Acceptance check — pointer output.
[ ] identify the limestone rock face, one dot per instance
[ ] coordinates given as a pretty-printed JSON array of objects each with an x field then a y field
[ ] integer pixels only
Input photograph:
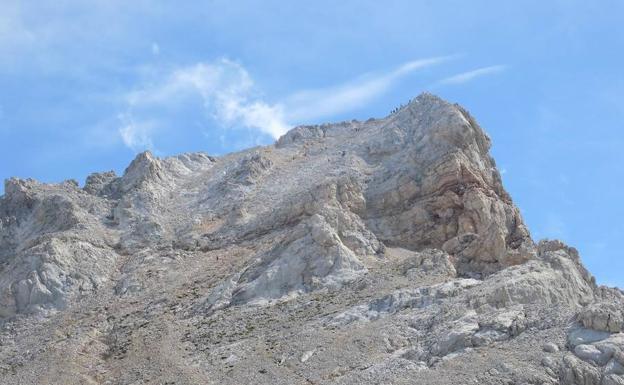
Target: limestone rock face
[
  {"x": 384, "y": 251},
  {"x": 607, "y": 316},
  {"x": 55, "y": 246}
]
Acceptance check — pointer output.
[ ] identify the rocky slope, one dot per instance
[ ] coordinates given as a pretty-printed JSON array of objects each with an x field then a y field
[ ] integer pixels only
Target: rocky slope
[{"x": 381, "y": 252}]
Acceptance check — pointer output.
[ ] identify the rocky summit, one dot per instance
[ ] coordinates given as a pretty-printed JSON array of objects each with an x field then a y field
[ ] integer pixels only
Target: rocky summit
[{"x": 376, "y": 252}]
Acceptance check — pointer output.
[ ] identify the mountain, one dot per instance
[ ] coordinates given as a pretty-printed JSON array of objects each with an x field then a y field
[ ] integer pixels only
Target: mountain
[{"x": 376, "y": 252}]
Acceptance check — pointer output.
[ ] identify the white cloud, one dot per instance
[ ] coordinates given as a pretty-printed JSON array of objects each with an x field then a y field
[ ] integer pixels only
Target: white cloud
[
  {"x": 136, "y": 135},
  {"x": 229, "y": 95},
  {"x": 465, "y": 77},
  {"x": 313, "y": 104},
  {"x": 225, "y": 89}
]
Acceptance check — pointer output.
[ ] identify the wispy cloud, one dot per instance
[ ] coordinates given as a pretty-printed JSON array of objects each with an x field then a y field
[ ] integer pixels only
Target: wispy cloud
[
  {"x": 227, "y": 93},
  {"x": 319, "y": 103},
  {"x": 136, "y": 135},
  {"x": 229, "y": 96},
  {"x": 465, "y": 77}
]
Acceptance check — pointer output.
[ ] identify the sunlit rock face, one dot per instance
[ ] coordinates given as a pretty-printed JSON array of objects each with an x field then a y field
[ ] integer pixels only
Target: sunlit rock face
[{"x": 384, "y": 251}]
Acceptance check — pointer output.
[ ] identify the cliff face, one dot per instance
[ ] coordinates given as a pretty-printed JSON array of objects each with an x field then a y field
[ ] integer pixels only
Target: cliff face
[{"x": 359, "y": 252}]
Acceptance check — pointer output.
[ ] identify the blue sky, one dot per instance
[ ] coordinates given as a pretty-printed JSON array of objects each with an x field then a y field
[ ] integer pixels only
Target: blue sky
[{"x": 84, "y": 86}]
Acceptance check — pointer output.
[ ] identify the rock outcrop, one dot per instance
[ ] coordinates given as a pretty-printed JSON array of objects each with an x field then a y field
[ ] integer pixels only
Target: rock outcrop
[{"x": 384, "y": 251}]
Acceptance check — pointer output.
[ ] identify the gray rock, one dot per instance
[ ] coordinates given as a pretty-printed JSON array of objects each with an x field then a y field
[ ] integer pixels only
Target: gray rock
[
  {"x": 459, "y": 336},
  {"x": 605, "y": 316},
  {"x": 613, "y": 379},
  {"x": 550, "y": 347},
  {"x": 591, "y": 353},
  {"x": 581, "y": 336},
  {"x": 614, "y": 367}
]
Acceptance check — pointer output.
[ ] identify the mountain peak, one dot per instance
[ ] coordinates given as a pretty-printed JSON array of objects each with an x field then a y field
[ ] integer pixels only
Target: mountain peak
[{"x": 380, "y": 249}]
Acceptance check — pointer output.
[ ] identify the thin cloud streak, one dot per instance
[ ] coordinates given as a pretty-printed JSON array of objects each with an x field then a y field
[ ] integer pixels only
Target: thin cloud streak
[
  {"x": 319, "y": 103},
  {"x": 465, "y": 77}
]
